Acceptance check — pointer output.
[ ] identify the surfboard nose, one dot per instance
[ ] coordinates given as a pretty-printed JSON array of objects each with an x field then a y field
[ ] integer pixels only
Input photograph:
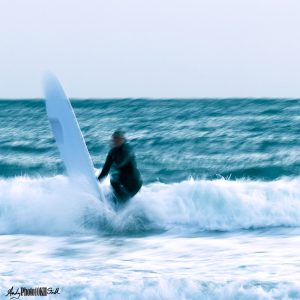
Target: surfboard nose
[{"x": 68, "y": 136}]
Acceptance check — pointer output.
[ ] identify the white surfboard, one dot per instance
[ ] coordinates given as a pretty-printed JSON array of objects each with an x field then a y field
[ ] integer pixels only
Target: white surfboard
[{"x": 68, "y": 136}]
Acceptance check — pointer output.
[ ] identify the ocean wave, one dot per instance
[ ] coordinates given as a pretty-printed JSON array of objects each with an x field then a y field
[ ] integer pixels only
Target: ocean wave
[
  {"x": 59, "y": 206},
  {"x": 191, "y": 289},
  {"x": 171, "y": 288}
]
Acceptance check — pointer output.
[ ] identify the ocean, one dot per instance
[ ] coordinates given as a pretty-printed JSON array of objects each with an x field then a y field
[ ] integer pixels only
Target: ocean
[{"x": 218, "y": 216}]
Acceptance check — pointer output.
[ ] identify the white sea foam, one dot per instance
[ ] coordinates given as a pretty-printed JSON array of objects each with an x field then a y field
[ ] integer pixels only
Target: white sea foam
[
  {"x": 58, "y": 206},
  {"x": 43, "y": 205},
  {"x": 169, "y": 288},
  {"x": 186, "y": 289}
]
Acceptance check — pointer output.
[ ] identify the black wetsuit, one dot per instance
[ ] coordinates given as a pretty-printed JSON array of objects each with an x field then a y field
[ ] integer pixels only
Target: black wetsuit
[{"x": 125, "y": 179}]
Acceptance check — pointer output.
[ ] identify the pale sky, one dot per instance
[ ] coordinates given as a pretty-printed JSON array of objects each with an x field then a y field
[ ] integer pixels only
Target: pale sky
[{"x": 153, "y": 48}]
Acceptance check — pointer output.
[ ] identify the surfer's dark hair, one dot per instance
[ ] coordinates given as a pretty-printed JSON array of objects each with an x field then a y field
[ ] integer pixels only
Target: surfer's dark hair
[{"x": 119, "y": 133}]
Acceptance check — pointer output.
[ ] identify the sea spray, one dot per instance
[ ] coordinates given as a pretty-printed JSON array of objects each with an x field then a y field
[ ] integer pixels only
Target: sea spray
[{"x": 56, "y": 205}]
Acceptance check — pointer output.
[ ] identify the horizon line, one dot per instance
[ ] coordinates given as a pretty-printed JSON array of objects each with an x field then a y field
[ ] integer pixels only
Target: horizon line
[{"x": 153, "y": 99}]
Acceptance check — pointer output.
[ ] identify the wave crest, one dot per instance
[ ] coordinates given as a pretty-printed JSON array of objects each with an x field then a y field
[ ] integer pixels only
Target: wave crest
[{"x": 58, "y": 206}]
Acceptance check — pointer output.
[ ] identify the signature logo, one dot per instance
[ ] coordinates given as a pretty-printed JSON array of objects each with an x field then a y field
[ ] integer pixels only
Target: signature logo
[{"x": 38, "y": 291}]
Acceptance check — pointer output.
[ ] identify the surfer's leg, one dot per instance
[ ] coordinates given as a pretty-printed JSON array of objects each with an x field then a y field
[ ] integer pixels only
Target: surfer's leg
[
  {"x": 136, "y": 188},
  {"x": 121, "y": 195}
]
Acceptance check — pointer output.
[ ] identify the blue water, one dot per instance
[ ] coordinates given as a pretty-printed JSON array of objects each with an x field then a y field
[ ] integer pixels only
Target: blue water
[{"x": 217, "y": 218}]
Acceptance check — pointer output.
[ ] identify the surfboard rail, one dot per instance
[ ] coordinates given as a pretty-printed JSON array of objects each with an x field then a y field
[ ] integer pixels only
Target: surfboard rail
[{"x": 68, "y": 136}]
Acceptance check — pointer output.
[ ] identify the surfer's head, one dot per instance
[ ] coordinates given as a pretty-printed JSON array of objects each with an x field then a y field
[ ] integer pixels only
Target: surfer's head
[{"x": 118, "y": 138}]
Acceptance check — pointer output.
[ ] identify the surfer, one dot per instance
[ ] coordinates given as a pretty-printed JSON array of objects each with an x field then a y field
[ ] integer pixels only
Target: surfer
[{"x": 125, "y": 179}]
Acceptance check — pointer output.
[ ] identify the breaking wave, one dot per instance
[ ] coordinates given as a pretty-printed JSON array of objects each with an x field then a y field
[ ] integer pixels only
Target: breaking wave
[{"x": 59, "y": 206}]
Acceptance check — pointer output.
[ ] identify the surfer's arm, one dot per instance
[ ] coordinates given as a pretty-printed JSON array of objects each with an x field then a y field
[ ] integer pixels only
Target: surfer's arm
[{"x": 106, "y": 167}]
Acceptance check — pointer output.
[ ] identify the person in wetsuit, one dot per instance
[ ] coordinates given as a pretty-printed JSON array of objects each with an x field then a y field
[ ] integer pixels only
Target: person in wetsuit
[{"x": 125, "y": 179}]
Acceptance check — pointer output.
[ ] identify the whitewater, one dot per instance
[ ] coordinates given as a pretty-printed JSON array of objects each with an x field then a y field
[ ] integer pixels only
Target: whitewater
[{"x": 217, "y": 218}]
